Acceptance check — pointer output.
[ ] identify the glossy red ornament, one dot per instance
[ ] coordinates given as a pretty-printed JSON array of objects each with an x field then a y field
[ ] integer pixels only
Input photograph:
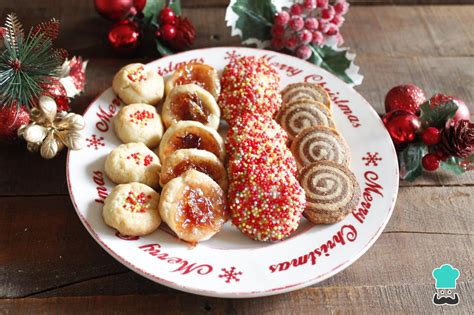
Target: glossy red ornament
[
  {"x": 114, "y": 10},
  {"x": 55, "y": 89},
  {"x": 124, "y": 37},
  {"x": 139, "y": 5},
  {"x": 185, "y": 34},
  {"x": 402, "y": 126},
  {"x": 11, "y": 120},
  {"x": 461, "y": 114},
  {"x": 168, "y": 32},
  {"x": 407, "y": 97},
  {"x": 167, "y": 16},
  {"x": 431, "y": 136},
  {"x": 430, "y": 162}
]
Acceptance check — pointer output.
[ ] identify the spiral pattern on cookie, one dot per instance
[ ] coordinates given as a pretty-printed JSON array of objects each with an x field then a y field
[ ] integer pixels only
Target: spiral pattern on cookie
[
  {"x": 301, "y": 114},
  {"x": 320, "y": 143},
  {"x": 331, "y": 191},
  {"x": 301, "y": 91}
]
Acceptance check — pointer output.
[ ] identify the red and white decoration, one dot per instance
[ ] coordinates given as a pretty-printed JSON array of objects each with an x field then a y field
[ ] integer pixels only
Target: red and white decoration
[{"x": 230, "y": 264}]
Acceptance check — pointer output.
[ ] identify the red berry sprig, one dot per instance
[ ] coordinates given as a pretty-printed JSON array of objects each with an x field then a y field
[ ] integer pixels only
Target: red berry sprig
[{"x": 310, "y": 22}]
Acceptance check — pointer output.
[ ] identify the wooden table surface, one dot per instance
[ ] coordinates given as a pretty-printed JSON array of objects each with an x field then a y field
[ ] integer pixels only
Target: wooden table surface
[{"x": 49, "y": 263}]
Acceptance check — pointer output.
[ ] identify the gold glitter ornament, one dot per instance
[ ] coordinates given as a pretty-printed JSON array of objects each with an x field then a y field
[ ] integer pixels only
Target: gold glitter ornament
[{"x": 49, "y": 131}]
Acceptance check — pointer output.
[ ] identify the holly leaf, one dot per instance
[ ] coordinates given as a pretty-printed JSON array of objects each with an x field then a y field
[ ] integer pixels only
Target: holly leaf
[
  {"x": 151, "y": 11},
  {"x": 162, "y": 49},
  {"x": 453, "y": 164},
  {"x": 176, "y": 7},
  {"x": 255, "y": 18},
  {"x": 436, "y": 116},
  {"x": 334, "y": 61},
  {"x": 409, "y": 161}
]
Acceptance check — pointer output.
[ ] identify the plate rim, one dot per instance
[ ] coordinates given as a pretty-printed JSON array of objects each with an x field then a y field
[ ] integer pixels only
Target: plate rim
[{"x": 245, "y": 294}]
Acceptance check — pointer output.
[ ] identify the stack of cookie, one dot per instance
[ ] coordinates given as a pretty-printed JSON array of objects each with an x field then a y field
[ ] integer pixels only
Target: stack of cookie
[
  {"x": 193, "y": 177},
  {"x": 265, "y": 198},
  {"x": 322, "y": 154}
]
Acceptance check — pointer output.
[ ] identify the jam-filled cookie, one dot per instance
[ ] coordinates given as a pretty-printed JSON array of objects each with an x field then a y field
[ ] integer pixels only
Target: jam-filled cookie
[
  {"x": 139, "y": 123},
  {"x": 201, "y": 74},
  {"x": 191, "y": 135},
  {"x": 133, "y": 162},
  {"x": 320, "y": 143},
  {"x": 137, "y": 83},
  {"x": 300, "y": 114},
  {"x": 132, "y": 209},
  {"x": 302, "y": 91},
  {"x": 191, "y": 102},
  {"x": 185, "y": 159},
  {"x": 332, "y": 191},
  {"x": 194, "y": 206}
]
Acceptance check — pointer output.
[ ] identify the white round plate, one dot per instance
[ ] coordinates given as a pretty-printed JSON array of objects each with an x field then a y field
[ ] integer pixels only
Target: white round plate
[{"x": 230, "y": 264}]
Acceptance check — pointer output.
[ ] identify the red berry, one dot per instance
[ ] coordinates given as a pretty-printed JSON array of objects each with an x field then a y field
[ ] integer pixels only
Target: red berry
[
  {"x": 296, "y": 23},
  {"x": 291, "y": 42},
  {"x": 311, "y": 24},
  {"x": 303, "y": 52},
  {"x": 309, "y": 4},
  {"x": 167, "y": 16},
  {"x": 305, "y": 37},
  {"x": 278, "y": 43},
  {"x": 341, "y": 7},
  {"x": 168, "y": 32},
  {"x": 402, "y": 126},
  {"x": 407, "y": 97},
  {"x": 332, "y": 30},
  {"x": 322, "y": 3},
  {"x": 323, "y": 26},
  {"x": 296, "y": 9},
  {"x": 328, "y": 13},
  {"x": 431, "y": 136},
  {"x": 281, "y": 18},
  {"x": 278, "y": 31},
  {"x": 337, "y": 20},
  {"x": 317, "y": 38},
  {"x": 430, "y": 162}
]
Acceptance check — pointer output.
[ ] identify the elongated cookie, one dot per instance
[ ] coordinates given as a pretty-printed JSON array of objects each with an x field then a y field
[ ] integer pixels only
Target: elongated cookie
[
  {"x": 300, "y": 114},
  {"x": 191, "y": 102},
  {"x": 191, "y": 135},
  {"x": 332, "y": 191},
  {"x": 302, "y": 90},
  {"x": 185, "y": 159},
  {"x": 320, "y": 143}
]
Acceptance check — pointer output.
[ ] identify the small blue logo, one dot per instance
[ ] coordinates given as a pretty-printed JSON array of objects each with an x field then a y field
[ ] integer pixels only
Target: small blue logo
[{"x": 445, "y": 284}]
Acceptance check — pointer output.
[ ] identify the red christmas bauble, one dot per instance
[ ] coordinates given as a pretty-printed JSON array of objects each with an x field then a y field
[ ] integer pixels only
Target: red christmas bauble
[
  {"x": 167, "y": 16},
  {"x": 168, "y": 32},
  {"x": 11, "y": 120},
  {"x": 55, "y": 89},
  {"x": 430, "y": 161},
  {"x": 402, "y": 126},
  {"x": 407, "y": 97},
  {"x": 431, "y": 136},
  {"x": 461, "y": 114},
  {"x": 124, "y": 37},
  {"x": 114, "y": 10}
]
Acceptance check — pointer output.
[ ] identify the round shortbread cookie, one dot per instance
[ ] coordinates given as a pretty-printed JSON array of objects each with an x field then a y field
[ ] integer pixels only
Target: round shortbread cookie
[
  {"x": 139, "y": 123},
  {"x": 136, "y": 83},
  {"x": 133, "y": 162},
  {"x": 132, "y": 209}
]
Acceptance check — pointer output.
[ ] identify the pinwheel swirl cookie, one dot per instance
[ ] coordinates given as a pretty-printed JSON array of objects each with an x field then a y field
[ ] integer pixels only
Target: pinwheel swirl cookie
[
  {"x": 297, "y": 115},
  {"x": 320, "y": 143},
  {"x": 332, "y": 191},
  {"x": 303, "y": 91}
]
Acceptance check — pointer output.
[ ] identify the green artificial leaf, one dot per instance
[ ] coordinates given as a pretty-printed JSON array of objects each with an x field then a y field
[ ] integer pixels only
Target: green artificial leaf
[
  {"x": 409, "y": 161},
  {"x": 331, "y": 60},
  {"x": 255, "y": 18},
  {"x": 151, "y": 11},
  {"x": 162, "y": 49},
  {"x": 453, "y": 164},
  {"x": 175, "y": 6},
  {"x": 436, "y": 116}
]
